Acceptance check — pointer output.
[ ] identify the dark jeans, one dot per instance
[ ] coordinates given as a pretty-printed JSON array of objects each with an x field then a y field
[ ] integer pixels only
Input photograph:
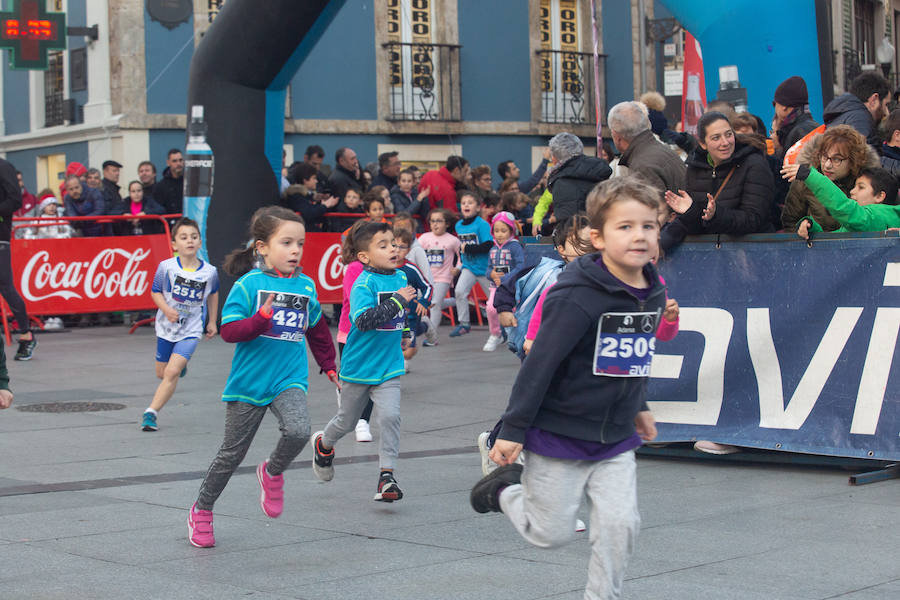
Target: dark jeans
[{"x": 9, "y": 292}]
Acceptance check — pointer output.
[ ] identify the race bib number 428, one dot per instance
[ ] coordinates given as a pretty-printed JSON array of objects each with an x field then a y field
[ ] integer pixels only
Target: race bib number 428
[
  {"x": 625, "y": 344},
  {"x": 290, "y": 315}
]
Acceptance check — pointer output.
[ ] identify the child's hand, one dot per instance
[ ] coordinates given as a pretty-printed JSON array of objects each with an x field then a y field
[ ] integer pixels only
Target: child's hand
[
  {"x": 645, "y": 425},
  {"x": 505, "y": 452},
  {"x": 423, "y": 194},
  {"x": 526, "y": 346},
  {"x": 790, "y": 171},
  {"x": 405, "y": 343},
  {"x": 211, "y": 330},
  {"x": 671, "y": 312},
  {"x": 6, "y": 398},
  {"x": 496, "y": 277},
  {"x": 333, "y": 378},
  {"x": 171, "y": 314},
  {"x": 421, "y": 310},
  {"x": 507, "y": 319},
  {"x": 803, "y": 229},
  {"x": 266, "y": 309},
  {"x": 408, "y": 292},
  {"x": 454, "y": 271},
  {"x": 679, "y": 202}
]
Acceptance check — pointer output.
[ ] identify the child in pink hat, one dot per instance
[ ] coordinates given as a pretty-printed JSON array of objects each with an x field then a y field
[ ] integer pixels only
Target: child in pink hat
[{"x": 506, "y": 256}]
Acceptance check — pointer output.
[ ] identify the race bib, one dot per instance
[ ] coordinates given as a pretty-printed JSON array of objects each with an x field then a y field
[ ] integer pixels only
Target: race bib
[
  {"x": 290, "y": 315},
  {"x": 398, "y": 321},
  {"x": 435, "y": 256},
  {"x": 502, "y": 268},
  {"x": 187, "y": 291},
  {"x": 467, "y": 239},
  {"x": 625, "y": 344}
]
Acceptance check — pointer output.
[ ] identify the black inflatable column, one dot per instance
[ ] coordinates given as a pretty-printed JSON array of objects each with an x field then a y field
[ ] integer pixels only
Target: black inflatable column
[{"x": 239, "y": 73}]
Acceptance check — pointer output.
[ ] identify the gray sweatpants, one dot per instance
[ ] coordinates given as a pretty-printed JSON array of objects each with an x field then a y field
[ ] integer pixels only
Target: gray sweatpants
[
  {"x": 544, "y": 506},
  {"x": 241, "y": 422},
  {"x": 386, "y": 398},
  {"x": 465, "y": 283}
]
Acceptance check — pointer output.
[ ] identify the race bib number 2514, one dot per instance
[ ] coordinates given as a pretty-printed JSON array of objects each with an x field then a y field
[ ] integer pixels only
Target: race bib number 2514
[{"x": 625, "y": 344}]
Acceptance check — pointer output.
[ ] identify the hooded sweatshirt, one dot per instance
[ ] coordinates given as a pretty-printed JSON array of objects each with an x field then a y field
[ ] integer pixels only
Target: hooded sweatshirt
[{"x": 575, "y": 384}]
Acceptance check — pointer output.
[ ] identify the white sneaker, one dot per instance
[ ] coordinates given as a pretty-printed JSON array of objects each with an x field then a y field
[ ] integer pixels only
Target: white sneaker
[
  {"x": 363, "y": 433},
  {"x": 579, "y": 526},
  {"x": 492, "y": 343},
  {"x": 714, "y": 448},
  {"x": 487, "y": 465},
  {"x": 431, "y": 332}
]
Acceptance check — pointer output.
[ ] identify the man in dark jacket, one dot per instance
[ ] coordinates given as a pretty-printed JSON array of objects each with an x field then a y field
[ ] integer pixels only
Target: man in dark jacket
[
  {"x": 169, "y": 191},
  {"x": 147, "y": 177},
  {"x": 112, "y": 197},
  {"x": 641, "y": 152},
  {"x": 890, "y": 149},
  {"x": 388, "y": 170},
  {"x": 347, "y": 174},
  {"x": 10, "y": 202},
  {"x": 83, "y": 201},
  {"x": 575, "y": 175},
  {"x": 792, "y": 117},
  {"x": 863, "y": 107}
]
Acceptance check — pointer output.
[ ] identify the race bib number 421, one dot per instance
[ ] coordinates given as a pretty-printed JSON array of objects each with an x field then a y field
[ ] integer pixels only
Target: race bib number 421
[
  {"x": 290, "y": 315},
  {"x": 625, "y": 344}
]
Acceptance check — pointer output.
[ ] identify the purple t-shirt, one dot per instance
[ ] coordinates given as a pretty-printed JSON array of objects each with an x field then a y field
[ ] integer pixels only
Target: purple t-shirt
[{"x": 554, "y": 445}]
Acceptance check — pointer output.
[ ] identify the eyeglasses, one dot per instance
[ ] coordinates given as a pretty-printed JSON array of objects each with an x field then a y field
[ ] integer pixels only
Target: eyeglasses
[
  {"x": 835, "y": 161},
  {"x": 436, "y": 221}
]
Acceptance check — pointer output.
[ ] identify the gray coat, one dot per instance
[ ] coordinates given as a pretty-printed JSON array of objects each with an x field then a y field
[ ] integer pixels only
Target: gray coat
[{"x": 655, "y": 162}]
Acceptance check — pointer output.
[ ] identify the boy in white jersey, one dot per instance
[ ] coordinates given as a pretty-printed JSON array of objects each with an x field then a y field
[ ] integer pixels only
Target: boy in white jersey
[{"x": 185, "y": 289}]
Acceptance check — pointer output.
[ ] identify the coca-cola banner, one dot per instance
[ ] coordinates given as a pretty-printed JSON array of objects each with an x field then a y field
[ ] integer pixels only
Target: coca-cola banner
[
  {"x": 322, "y": 262},
  {"x": 84, "y": 275}
]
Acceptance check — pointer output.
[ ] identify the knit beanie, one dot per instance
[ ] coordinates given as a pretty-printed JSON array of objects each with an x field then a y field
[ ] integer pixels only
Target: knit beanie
[
  {"x": 792, "y": 92},
  {"x": 507, "y": 218}
]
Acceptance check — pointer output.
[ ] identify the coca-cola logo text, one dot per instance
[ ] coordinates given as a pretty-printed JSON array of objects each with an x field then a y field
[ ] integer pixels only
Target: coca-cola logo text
[
  {"x": 99, "y": 277},
  {"x": 331, "y": 271}
]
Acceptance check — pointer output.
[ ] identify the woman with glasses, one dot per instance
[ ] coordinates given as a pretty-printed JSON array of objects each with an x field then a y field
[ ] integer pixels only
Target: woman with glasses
[
  {"x": 840, "y": 154},
  {"x": 481, "y": 181},
  {"x": 729, "y": 187}
]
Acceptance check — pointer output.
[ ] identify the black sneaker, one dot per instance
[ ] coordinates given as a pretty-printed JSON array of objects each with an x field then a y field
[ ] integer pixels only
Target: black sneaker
[
  {"x": 484, "y": 495},
  {"x": 26, "y": 349},
  {"x": 388, "y": 490},
  {"x": 322, "y": 462}
]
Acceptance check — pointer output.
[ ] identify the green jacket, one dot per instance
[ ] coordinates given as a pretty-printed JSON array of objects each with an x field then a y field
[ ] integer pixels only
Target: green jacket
[
  {"x": 541, "y": 209},
  {"x": 851, "y": 216}
]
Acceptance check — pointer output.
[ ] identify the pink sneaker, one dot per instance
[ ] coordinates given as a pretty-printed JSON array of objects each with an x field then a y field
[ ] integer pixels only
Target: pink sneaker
[
  {"x": 201, "y": 528},
  {"x": 271, "y": 498}
]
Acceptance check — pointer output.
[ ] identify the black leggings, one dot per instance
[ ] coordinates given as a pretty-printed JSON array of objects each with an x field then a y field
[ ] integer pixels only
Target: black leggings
[
  {"x": 9, "y": 292},
  {"x": 367, "y": 411}
]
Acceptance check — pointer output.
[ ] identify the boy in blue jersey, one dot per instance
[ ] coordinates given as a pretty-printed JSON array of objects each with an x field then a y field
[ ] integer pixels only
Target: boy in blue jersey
[
  {"x": 373, "y": 356},
  {"x": 474, "y": 235}
]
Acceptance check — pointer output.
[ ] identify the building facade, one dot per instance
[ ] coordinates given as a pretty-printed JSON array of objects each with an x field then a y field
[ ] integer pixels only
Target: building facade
[{"x": 489, "y": 80}]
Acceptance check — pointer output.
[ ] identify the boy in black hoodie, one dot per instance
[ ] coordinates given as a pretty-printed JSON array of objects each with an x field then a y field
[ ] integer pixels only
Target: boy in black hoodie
[{"x": 578, "y": 406}]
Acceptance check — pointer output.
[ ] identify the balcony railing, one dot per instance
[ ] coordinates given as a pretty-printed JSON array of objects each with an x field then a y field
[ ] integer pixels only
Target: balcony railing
[
  {"x": 423, "y": 81},
  {"x": 567, "y": 87}
]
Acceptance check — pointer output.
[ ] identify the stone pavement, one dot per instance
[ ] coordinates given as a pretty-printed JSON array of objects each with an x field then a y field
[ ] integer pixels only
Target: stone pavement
[{"x": 92, "y": 507}]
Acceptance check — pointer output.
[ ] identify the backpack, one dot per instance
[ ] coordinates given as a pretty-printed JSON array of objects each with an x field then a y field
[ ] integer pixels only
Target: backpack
[
  {"x": 790, "y": 157},
  {"x": 528, "y": 290}
]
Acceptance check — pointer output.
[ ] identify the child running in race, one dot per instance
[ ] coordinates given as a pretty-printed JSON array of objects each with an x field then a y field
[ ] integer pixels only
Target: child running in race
[
  {"x": 577, "y": 408},
  {"x": 474, "y": 235},
  {"x": 372, "y": 361},
  {"x": 186, "y": 290},
  {"x": 507, "y": 256},
  {"x": 270, "y": 314},
  {"x": 442, "y": 249},
  {"x": 418, "y": 307}
]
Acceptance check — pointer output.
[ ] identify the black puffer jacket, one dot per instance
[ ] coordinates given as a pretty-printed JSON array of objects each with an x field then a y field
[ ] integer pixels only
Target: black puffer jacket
[
  {"x": 571, "y": 181},
  {"x": 847, "y": 109},
  {"x": 742, "y": 207}
]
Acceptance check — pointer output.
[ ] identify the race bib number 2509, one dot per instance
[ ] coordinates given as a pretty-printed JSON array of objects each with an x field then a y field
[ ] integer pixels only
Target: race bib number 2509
[{"x": 625, "y": 344}]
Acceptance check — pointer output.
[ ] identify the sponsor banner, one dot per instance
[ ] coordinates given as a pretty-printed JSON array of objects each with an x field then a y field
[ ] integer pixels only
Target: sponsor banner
[
  {"x": 321, "y": 261},
  {"x": 84, "y": 275},
  {"x": 782, "y": 346}
]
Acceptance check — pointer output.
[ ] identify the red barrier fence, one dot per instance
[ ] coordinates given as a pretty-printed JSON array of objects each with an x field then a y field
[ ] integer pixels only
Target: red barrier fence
[{"x": 87, "y": 274}]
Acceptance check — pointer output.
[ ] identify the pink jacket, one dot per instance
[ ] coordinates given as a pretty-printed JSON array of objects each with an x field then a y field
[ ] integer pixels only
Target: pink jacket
[{"x": 350, "y": 274}]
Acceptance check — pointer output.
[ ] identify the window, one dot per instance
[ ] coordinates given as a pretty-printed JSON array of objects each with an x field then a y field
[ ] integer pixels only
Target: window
[
  {"x": 54, "y": 90},
  {"x": 864, "y": 27},
  {"x": 566, "y": 76},
  {"x": 424, "y": 75}
]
